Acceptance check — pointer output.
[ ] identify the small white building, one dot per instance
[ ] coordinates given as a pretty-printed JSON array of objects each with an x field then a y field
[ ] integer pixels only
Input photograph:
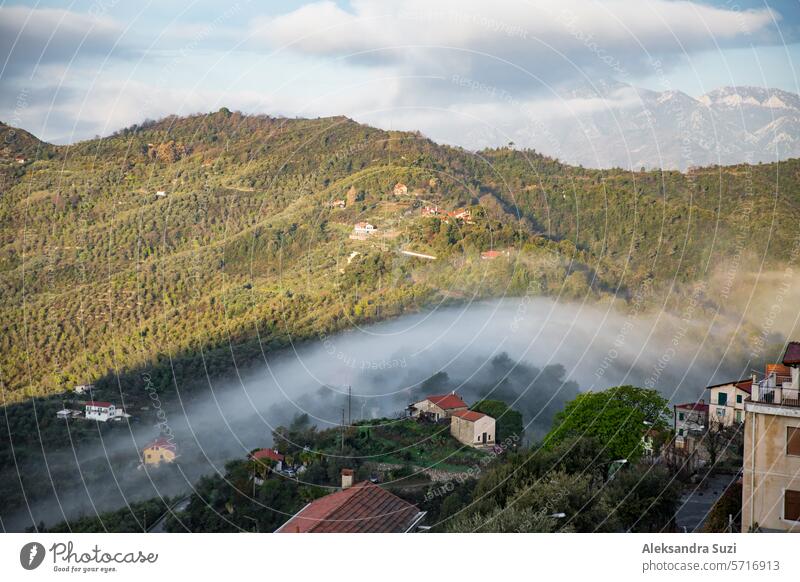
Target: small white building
[
  {"x": 66, "y": 413},
  {"x": 83, "y": 388},
  {"x": 362, "y": 230},
  {"x": 161, "y": 194},
  {"x": 103, "y": 411}
]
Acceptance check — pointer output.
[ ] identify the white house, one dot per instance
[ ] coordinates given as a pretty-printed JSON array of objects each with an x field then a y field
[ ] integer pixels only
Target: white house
[
  {"x": 362, "y": 230},
  {"x": 437, "y": 407},
  {"x": 103, "y": 411},
  {"x": 83, "y": 388},
  {"x": 161, "y": 194}
]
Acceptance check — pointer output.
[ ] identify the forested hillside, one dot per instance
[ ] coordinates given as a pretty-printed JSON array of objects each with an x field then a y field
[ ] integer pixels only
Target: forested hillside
[{"x": 188, "y": 244}]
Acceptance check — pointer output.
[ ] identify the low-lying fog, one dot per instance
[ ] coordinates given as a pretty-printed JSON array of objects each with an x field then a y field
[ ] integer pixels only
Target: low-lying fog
[{"x": 535, "y": 354}]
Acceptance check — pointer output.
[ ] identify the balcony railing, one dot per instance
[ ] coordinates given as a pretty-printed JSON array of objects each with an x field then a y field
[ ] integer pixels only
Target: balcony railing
[{"x": 775, "y": 395}]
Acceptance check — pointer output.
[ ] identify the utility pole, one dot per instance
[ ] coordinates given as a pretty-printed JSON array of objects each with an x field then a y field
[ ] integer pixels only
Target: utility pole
[
  {"x": 349, "y": 405},
  {"x": 342, "y": 429}
]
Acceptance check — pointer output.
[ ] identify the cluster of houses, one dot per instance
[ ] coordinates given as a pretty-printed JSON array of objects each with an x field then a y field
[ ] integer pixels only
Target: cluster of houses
[
  {"x": 472, "y": 428},
  {"x": 463, "y": 214},
  {"x": 768, "y": 413}
]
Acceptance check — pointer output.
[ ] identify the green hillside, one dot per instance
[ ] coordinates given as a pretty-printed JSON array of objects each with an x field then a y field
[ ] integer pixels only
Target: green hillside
[{"x": 244, "y": 251}]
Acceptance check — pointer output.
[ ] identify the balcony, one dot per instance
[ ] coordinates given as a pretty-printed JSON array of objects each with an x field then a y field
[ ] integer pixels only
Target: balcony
[{"x": 783, "y": 396}]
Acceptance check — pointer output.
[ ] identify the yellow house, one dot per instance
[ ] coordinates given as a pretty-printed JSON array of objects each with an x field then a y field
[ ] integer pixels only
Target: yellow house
[
  {"x": 161, "y": 450},
  {"x": 771, "y": 466},
  {"x": 727, "y": 402}
]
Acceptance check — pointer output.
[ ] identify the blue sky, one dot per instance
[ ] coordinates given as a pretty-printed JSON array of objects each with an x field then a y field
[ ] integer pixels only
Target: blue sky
[{"x": 72, "y": 70}]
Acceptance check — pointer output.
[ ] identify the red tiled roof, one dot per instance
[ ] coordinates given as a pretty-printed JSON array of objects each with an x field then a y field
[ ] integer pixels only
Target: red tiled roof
[
  {"x": 447, "y": 401},
  {"x": 696, "y": 406},
  {"x": 469, "y": 415},
  {"x": 779, "y": 369},
  {"x": 96, "y": 403},
  {"x": 362, "y": 508},
  {"x": 267, "y": 454},
  {"x": 792, "y": 355},
  {"x": 162, "y": 443},
  {"x": 490, "y": 254}
]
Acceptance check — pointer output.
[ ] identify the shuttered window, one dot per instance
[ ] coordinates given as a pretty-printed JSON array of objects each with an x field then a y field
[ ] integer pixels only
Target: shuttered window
[
  {"x": 791, "y": 505},
  {"x": 793, "y": 440}
]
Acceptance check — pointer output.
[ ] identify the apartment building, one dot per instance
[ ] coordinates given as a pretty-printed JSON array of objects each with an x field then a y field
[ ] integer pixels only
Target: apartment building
[{"x": 771, "y": 471}]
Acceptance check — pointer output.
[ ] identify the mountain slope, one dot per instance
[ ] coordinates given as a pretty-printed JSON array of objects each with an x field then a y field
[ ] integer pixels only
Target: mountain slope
[{"x": 188, "y": 245}]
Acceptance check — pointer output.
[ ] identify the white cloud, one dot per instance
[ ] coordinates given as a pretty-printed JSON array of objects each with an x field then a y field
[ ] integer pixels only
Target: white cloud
[
  {"x": 543, "y": 37},
  {"x": 31, "y": 37}
]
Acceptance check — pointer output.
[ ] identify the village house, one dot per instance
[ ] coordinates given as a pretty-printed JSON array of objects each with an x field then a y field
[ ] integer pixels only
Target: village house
[
  {"x": 493, "y": 254},
  {"x": 431, "y": 211},
  {"x": 771, "y": 466},
  {"x": 464, "y": 214},
  {"x": 689, "y": 421},
  {"x": 473, "y": 428},
  {"x": 363, "y": 230},
  {"x": 270, "y": 457},
  {"x": 400, "y": 189},
  {"x": 161, "y": 450},
  {"x": 436, "y": 408},
  {"x": 67, "y": 413},
  {"x": 161, "y": 194},
  {"x": 337, "y": 204},
  {"x": 21, "y": 160},
  {"x": 727, "y": 402},
  {"x": 103, "y": 411},
  {"x": 83, "y": 388},
  {"x": 362, "y": 507}
]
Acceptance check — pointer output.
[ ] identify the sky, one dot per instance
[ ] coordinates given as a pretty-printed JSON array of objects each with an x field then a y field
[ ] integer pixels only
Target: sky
[{"x": 74, "y": 70}]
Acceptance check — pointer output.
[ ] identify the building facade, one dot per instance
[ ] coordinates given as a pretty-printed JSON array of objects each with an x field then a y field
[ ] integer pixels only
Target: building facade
[
  {"x": 473, "y": 428},
  {"x": 726, "y": 404},
  {"x": 771, "y": 471},
  {"x": 439, "y": 407}
]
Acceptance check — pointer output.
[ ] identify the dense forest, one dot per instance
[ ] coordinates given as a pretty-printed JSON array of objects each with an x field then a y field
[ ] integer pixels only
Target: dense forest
[{"x": 192, "y": 244}]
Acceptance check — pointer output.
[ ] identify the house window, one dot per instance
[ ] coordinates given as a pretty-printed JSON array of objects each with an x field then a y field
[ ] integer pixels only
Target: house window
[
  {"x": 793, "y": 441},
  {"x": 738, "y": 399},
  {"x": 738, "y": 416},
  {"x": 720, "y": 412},
  {"x": 722, "y": 399},
  {"x": 791, "y": 505},
  {"x": 681, "y": 416},
  {"x": 680, "y": 432}
]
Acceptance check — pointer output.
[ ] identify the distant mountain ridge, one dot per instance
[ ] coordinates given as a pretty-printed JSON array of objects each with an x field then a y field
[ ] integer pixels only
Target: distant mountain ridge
[{"x": 633, "y": 128}]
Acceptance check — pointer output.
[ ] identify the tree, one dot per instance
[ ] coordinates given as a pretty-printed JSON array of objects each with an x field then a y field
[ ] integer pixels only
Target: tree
[
  {"x": 509, "y": 421},
  {"x": 718, "y": 440},
  {"x": 617, "y": 418}
]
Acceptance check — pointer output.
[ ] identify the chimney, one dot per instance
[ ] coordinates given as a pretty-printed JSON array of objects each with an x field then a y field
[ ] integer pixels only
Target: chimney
[{"x": 347, "y": 478}]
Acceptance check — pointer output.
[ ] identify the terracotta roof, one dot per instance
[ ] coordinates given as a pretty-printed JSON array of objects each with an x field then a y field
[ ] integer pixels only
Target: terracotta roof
[
  {"x": 490, "y": 254},
  {"x": 447, "y": 401},
  {"x": 745, "y": 385},
  {"x": 162, "y": 443},
  {"x": 792, "y": 355},
  {"x": 779, "y": 369},
  {"x": 96, "y": 403},
  {"x": 362, "y": 508},
  {"x": 267, "y": 454},
  {"x": 696, "y": 406},
  {"x": 469, "y": 415}
]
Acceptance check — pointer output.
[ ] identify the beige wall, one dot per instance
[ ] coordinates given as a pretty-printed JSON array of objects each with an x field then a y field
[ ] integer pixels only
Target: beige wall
[
  {"x": 471, "y": 433},
  {"x": 768, "y": 470},
  {"x": 727, "y": 413}
]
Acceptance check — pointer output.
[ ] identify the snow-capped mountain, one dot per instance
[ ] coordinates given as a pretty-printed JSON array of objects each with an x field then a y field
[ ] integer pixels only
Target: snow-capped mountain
[{"x": 630, "y": 128}]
